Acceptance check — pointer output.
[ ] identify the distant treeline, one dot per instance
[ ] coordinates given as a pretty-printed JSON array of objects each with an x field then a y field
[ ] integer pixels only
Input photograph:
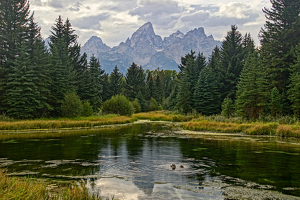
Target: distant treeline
[{"x": 238, "y": 78}]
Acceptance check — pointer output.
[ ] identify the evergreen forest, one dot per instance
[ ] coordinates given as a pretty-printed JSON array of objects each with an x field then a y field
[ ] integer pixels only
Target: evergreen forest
[{"x": 240, "y": 78}]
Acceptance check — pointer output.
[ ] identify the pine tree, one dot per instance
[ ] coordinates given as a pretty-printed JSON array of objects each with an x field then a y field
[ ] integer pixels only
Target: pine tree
[
  {"x": 69, "y": 50},
  {"x": 135, "y": 81},
  {"x": 206, "y": 95},
  {"x": 231, "y": 63},
  {"x": 278, "y": 37},
  {"x": 142, "y": 101},
  {"x": 150, "y": 87},
  {"x": 200, "y": 63},
  {"x": 70, "y": 39},
  {"x": 14, "y": 19},
  {"x": 184, "y": 60},
  {"x": 60, "y": 78},
  {"x": 24, "y": 99},
  {"x": 173, "y": 101},
  {"x": 159, "y": 92},
  {"x": 294, "y": 87},
  {"x": 185, "y": 96},
  {"x": 57, "y": 33},
  {"x": 276, "y": 104},
  {"x": 91, "y": 85},
  {"x": 169, "y": 78},
  {"x": 252, "y": 94},
  {"x": 116, "y": 81},
  {"x": 106, "y": 92},
  {"x": 39, "y": 58}
]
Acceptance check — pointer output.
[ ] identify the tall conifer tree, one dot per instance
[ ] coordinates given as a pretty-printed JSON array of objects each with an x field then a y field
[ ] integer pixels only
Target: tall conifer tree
[
  {"x": 231, "y": 63},
  {"x": 294, "y": 87},
  {"x": 252, "y": 94},
  {"x": 116, "y": 81},
  {"x": 280, "y": 35},
  {"x": 206, "y": 95},
  {"x": 24, "y": 99},
  {"x": 14, "y": 19},
  {"x": 91, "y": 84},
  {"x": 135, "y": 81}
]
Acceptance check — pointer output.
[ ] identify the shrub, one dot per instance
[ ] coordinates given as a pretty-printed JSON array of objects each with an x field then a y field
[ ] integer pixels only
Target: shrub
[
  {"x": 87, "y": 109},
  {"x": 71, "y": 106},
  {"x": 136, "y": 106},
  {"x": 153, "y": 106},
  {"x": 118, "y": 104}
]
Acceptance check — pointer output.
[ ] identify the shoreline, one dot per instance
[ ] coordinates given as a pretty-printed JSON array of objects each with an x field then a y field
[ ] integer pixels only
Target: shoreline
[{"x": 191, "y": 123}]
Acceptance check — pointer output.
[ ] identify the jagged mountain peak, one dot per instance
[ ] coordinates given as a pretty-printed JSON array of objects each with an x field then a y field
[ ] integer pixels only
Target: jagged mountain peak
[
  {"x": 95, "y": 38},
  {"x": 197, "y": 32},
  {"x": 94, "y": 45},
  {"x": 145, "y": 29},
  {"x": 146, "y": 48},
  {"x": 175, "y": 37},
  {"x": 146, "y": 26},
  {"x": 145, "y": 33}
]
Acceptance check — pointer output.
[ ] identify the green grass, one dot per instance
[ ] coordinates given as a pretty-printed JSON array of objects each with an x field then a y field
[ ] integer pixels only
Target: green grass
[
  {"x": 163, "y": 116},
  {"x": 283, "y": 130},
  {"x": 283, "y": 126},
  {"x": 18, "y": 188},
  {"x": 65, "y": 122}
]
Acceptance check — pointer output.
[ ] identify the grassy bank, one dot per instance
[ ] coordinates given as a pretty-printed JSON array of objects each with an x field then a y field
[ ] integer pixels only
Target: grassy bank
[
  {"x": 65, "y": 122},
  {"x": 283, "y": 130},
  {"x": 283, "y": 126},
  {"x": 18, "y": 188},
  {"x": 163, "y": 116}
]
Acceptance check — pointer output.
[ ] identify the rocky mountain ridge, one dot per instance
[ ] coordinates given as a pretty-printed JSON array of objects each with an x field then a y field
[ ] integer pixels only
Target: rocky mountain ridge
[{"x": 150, "y": 50}]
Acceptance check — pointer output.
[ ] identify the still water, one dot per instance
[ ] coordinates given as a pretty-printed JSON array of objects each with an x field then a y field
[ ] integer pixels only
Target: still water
[{"x": 133, "y": 162}]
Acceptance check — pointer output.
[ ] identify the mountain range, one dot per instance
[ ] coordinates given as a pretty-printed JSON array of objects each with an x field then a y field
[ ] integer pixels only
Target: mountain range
[{"x": 149, "y": 50}]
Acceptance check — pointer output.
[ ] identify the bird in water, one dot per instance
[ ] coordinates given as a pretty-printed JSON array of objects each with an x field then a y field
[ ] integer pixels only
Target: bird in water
[
  {"x": 173, "y": 166},
  {"x": 181, "y": 166}
]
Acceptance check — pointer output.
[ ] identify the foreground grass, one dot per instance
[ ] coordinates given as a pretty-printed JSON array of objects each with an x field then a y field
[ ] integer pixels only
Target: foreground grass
[
  {"x": 17, "y": 188},
  {"x": 66, "y": 122}
]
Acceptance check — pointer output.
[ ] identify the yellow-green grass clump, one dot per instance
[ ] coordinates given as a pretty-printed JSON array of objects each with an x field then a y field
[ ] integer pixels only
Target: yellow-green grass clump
[
  {"x": 163, "y": 116},
  {"x": 282, "y": 130},
  {"x": 65, "y": 122}
]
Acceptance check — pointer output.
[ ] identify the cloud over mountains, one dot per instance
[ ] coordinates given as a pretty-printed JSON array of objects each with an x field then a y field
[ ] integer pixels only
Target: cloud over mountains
[{"x": 114, "y": 20}]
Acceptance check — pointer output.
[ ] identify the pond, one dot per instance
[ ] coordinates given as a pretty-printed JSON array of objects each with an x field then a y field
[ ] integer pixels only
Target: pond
[{"x": 134, "y": 162}]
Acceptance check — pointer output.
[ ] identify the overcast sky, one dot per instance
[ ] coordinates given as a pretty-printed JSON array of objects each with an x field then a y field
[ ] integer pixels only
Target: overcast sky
[{"x": 115, "y": 20}]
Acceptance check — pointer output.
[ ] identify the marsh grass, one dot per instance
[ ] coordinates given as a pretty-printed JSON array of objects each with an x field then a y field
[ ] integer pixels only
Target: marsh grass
[
  {"x": 65, "y": 122},
  {"x": 164, "y": 116},
  {"x": 283, "y": 130},
  {"x": 18, "y": 188}
]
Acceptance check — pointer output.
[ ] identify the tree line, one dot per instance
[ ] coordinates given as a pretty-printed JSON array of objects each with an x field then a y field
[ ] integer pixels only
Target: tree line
[{"x": 237, "y": 78}]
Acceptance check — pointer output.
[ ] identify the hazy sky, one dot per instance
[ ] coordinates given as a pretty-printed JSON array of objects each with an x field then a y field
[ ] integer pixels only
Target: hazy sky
[{"x": 115, "y": 20}]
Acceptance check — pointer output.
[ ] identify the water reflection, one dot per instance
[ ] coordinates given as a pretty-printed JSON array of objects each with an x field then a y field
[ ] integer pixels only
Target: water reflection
[{"x": 133, "y": 162}]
